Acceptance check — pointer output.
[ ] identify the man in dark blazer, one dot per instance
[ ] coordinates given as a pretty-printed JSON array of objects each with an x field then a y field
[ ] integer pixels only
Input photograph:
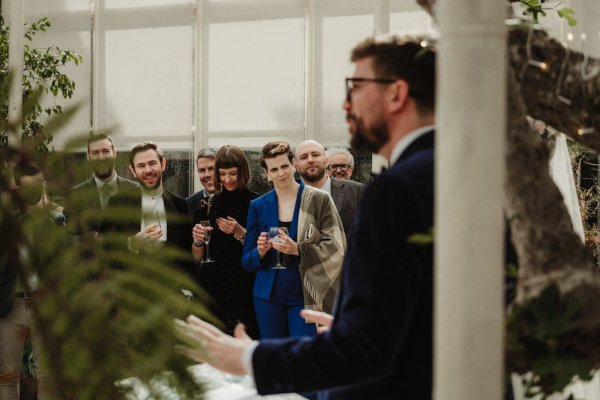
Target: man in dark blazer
[
  {"x": 149, "y": 215},
  {"x": 205, "y": 165},
  {"x": 310, "y": 161},
  {"x": 379, "y": 343},
  {"x": 90, "y": 197}
]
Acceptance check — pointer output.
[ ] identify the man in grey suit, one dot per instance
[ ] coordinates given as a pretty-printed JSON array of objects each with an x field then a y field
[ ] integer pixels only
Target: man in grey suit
[
  {"x": 310, "y": 162},
  {"x": 90, "y": 197}
]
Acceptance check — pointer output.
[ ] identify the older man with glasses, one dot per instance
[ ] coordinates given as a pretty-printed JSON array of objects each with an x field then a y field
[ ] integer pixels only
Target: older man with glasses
[{"x": 340, "y": 163}]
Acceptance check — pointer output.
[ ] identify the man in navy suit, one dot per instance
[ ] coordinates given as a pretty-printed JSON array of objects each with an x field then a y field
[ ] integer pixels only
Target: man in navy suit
[
  {"x": 379, "y": 344},
  {"x": 205, "y": 165}
]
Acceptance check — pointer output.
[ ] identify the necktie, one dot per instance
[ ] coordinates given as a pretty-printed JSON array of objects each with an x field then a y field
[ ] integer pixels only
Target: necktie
[{"x": 106, "y": 191}]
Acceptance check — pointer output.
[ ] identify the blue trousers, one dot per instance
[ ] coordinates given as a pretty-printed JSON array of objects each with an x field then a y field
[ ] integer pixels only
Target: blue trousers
[{"x": 280, "y": 315}]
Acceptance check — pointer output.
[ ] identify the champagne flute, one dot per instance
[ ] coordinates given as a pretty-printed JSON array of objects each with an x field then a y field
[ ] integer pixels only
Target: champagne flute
[
  {"x": 207, "y": 232},
  {"x": 275, "y": 237}
]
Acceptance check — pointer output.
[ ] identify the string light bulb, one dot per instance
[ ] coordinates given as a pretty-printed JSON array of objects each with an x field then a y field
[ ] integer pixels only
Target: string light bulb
[
  {"x": 424, "y": 43},
  {"x": 570, "y": 37},
  {"x": 585, "y": 131},
  {"x": 540, "y": 64}
]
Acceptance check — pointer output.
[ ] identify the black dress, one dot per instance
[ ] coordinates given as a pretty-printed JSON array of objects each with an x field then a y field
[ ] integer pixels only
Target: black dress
[{"x": 226, "y": 282}]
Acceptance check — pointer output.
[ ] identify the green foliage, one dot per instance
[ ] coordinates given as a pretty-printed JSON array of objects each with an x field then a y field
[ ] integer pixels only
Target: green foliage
[
  {"x": 42, "y": 70},
  {"x": 104, "y": 314},
  {"x": 422, "y": 239},
  {"x": 542, "y": 343},
  {"x": 537, "y": 8}
]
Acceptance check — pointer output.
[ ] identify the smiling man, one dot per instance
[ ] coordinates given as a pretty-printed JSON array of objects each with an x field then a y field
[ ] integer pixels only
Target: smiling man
[
  {"x": 150, "y": 215},
  {"x": 310, "y": 161},
  {"x": 205, "y": 165}
]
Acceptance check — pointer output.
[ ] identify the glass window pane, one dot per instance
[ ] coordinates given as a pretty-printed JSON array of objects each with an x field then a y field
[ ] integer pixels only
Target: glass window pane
[
  {"x": 70, "y": 30},
  {"x": 339, "y": 36},
  {"x": 255, "y": 76},
  {"x": 148, "y": 84}
]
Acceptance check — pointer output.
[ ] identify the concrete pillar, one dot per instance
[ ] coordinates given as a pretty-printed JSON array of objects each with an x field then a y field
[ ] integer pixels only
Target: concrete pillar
[{"x": 471, "y": 110}]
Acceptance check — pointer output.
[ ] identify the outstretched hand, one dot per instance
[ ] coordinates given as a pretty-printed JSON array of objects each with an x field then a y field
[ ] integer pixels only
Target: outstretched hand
[
  {"x": 206, "y": 343},
  {"x": 323, "y": 320}
]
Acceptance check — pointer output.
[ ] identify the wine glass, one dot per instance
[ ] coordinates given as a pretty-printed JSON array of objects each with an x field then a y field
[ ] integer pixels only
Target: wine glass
[
  {"x": 207, "y": 232},
  {"x": 274, "y": 237}
]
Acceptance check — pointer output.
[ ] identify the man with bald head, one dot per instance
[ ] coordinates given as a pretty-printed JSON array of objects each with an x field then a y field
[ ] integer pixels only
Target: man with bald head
[{"x": 311, "y": 162}]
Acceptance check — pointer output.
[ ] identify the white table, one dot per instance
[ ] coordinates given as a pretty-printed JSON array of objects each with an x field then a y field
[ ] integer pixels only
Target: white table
[{"x": 219, "y": 386}]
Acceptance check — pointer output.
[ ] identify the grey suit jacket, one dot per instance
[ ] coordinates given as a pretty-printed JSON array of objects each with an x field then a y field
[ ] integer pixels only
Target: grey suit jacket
[
  {"x": 85, "y": 199},
  {"x": 346, "y": 195}
]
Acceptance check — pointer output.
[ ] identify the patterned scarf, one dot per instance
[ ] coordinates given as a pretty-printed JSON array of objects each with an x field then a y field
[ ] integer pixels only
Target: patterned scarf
[{"x": 321, "y": 244}]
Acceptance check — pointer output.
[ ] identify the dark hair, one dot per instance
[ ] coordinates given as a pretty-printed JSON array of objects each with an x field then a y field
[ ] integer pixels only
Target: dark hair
[
  {"x": 143, "y": 147},
  {"x": 26, "y": 168},
  {"x": 274, "y": 149},
  {"x": 206, "y": 152},
  {"x": 410, "y": 58},
  {"x": 96, "y": 137},
  {"x": 232, "y": 157}
]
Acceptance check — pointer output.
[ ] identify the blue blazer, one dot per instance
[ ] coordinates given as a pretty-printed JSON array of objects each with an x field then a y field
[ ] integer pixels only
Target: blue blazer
[
  {"x": 380, "y": 344},
  {"x": 262, "y": 215}
]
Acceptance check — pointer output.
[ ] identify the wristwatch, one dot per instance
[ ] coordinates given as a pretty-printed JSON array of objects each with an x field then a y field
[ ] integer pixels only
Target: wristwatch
[{"x": 198, "y": 243}]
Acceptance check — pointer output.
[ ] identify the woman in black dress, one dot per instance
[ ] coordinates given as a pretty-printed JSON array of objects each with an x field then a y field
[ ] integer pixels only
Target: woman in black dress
[{"x": 226, "y": 282}]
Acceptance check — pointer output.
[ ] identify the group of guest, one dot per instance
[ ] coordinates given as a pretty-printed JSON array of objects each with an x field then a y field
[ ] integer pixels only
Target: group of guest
[
  {"x": 240, "y": 276},
  {"x": 243, "y": 278}
]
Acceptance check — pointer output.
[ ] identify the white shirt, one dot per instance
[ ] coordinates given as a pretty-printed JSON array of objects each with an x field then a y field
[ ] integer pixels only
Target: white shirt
[
  {"x": 327, "y": 185},
  {"x": 153, "y": 212}
]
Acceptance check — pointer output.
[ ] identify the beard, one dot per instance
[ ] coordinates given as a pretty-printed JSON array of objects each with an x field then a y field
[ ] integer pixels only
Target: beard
[
  {"x": 364, "y": 139},
  {"x": 313, "y": 177},
  {"x": 156, "y": 184},
  {"x": 103, "y": 169}
]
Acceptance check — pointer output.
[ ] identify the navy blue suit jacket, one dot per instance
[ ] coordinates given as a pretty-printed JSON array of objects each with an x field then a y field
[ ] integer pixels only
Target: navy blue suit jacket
[
  {"x": 380, "y": 344},
  {"x": 262, "y": 215}
]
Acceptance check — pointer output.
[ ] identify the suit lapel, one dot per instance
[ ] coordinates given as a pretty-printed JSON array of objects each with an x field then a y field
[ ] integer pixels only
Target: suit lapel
[
  {"x": 172, "y": 215},
  {"x": 337, "y": 193},
  {"x": 271, "y": 211}
]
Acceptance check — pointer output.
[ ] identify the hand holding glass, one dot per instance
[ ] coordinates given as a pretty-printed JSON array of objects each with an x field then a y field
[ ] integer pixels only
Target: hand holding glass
[
  {"x": 207, "y": 232},
  {"x": 275, "y": 237}
]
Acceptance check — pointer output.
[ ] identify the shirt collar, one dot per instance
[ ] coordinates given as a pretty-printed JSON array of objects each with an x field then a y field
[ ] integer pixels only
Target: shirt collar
[
  {"x": 327, "y": 185},
  {"x": 112, "y": 182},
  {"x": 407, "y": 140},
  {"x": 154, "y": 194}
]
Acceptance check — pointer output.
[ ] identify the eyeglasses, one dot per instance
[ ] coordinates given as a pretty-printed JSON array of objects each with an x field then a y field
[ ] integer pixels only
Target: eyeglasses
[
  {"x": 342, "y": 167},
  {"x": 350, "y": 82}
]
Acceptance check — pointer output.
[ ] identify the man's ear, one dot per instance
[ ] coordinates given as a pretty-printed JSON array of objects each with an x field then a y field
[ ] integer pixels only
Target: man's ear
[
  {"x": 163, "y": 164},
  {"x": 398, "y": 95},
  {"x": 132, "y": 171}
]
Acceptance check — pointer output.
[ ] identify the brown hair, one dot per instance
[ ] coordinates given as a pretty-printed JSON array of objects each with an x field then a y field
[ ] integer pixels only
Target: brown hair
[
  {"x": 274, "y": 149},
  {"x": 232, "y": 157},
  {"x": 410, "y": 58},
  {"x": 96, "y": 137},
  {"x": 143, "y": 147}
]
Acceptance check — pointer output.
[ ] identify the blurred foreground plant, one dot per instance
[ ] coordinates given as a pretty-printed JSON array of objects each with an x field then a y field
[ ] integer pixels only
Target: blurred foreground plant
[{"x": 103, "y": 314}]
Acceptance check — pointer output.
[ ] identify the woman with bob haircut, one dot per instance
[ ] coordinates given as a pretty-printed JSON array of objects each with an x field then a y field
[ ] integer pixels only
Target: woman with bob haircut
[
  {"x": 312, "y": 252},
  {"x": 224, "y": 279}
]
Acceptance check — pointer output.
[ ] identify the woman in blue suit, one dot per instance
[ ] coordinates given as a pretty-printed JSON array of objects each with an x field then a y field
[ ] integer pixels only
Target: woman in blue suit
[{"x": 312, "y": 252}]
